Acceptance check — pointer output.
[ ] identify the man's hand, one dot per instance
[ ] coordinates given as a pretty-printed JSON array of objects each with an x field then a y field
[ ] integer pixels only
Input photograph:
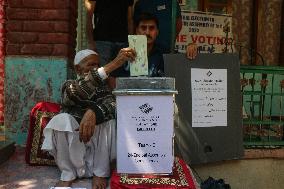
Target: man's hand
[
  {"x": 125, "y": 54},
  {"x": 87, "y": 126},
  {"x": 191, "y": 51}
]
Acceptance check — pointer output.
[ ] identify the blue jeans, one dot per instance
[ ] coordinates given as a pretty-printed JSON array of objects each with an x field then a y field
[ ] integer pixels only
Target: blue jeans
[{"x": 108, "y": 51}]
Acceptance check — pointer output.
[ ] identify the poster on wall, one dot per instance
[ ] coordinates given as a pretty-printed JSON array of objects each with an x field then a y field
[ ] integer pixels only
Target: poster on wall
[
  {"x": 211, "y": 32},
  {"x": 209, "y": 97},
  {"x": 145, "y": 134}
]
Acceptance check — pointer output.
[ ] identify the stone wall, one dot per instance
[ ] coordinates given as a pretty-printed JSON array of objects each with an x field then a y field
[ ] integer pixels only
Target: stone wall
[
  {"x": 40, "y": 43},
  {"x": 41, "y": 27}
]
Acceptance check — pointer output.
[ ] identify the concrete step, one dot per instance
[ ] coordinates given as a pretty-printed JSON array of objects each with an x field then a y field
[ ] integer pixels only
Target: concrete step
[{"x": 7, "y": 148}]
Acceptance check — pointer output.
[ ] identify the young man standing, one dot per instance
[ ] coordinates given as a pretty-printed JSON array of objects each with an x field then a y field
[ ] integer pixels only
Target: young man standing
[
  {"x": 163, "y": 10},
  {"x": 147, "y": 24},
  {"x": 113, "y": 21}
]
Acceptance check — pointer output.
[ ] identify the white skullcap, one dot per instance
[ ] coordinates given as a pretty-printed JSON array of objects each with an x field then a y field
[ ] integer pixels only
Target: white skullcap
[{"x": 83, "y": 54}]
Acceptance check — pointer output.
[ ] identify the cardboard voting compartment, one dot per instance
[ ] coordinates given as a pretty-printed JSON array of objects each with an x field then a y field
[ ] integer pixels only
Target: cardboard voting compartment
[{"x": 208, "y": 127}]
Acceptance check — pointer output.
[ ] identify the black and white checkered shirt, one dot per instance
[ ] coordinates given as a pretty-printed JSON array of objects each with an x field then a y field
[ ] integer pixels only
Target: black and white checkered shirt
[{"x": 89, "y": 92}]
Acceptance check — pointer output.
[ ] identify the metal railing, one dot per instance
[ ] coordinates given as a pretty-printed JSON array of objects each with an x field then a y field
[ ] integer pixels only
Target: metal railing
[{"x": 262, "y": 90}]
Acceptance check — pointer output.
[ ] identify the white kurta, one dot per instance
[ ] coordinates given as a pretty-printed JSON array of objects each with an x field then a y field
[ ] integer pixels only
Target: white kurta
[{"x": 74, "y": 158}]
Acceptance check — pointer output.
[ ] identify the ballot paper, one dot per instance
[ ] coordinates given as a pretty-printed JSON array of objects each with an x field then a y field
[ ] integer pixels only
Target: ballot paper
[{"x": 140, "y": 66}]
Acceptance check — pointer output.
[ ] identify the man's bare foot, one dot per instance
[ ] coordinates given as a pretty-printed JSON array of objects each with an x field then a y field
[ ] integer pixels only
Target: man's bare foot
[
  {"x": 99, "y": 182},
  {"x": 64, "y": 183}
]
